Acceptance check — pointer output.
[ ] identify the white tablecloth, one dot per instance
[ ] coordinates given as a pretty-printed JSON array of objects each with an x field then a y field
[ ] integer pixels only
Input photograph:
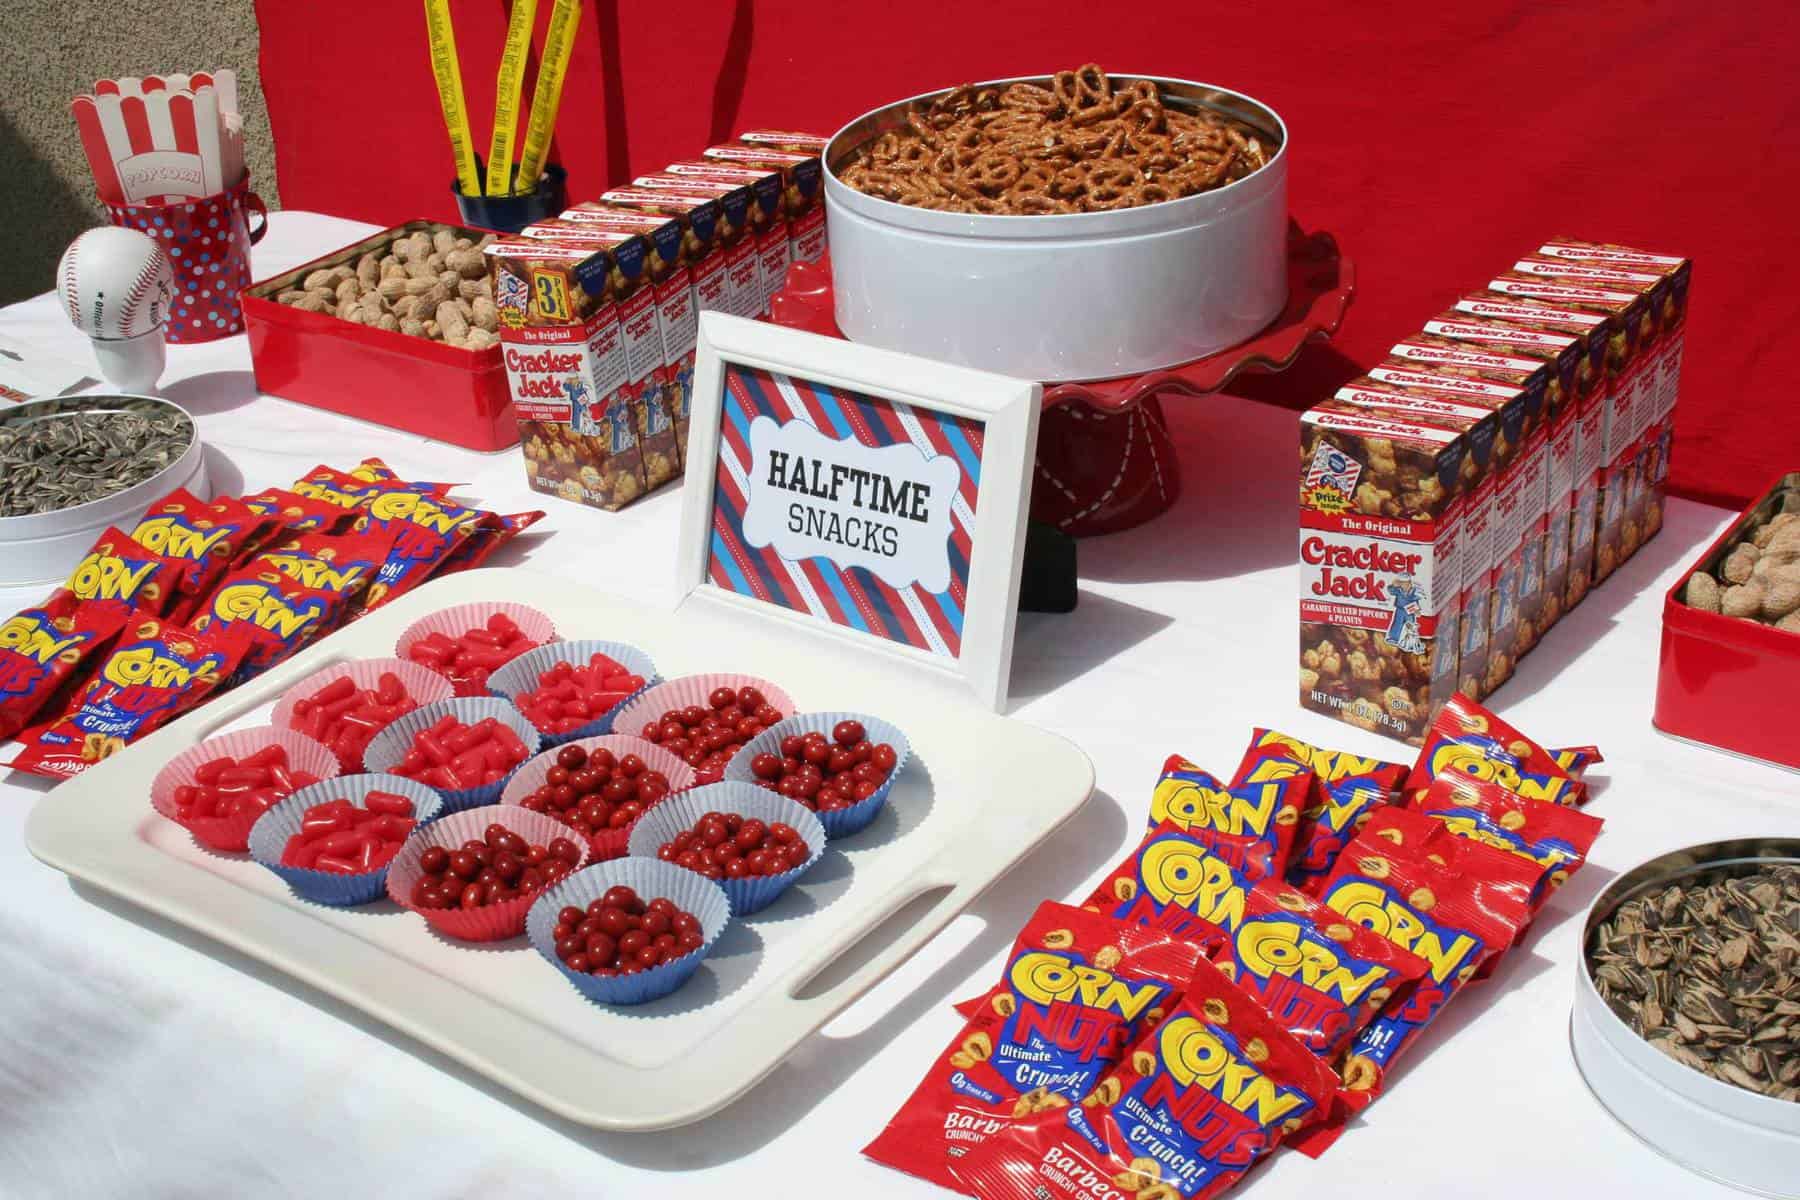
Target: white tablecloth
[{"x": 139, "y": 1060}]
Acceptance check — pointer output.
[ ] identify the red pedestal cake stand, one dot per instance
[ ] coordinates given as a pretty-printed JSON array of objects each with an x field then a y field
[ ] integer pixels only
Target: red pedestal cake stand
[{"x": 1105, "y": 461}]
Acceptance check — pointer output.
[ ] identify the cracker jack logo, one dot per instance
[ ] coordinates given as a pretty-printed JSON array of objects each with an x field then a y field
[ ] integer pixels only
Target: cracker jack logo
[
  {"x": 1403, "y": 629},
  {"x": 885, "y": 509}
]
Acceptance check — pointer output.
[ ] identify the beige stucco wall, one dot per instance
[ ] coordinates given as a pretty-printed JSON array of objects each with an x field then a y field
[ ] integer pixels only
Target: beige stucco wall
[{"x": 52, "y": 49}]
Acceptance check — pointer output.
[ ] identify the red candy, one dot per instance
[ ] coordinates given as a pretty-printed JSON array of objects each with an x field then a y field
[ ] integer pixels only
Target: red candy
[
  {"x": 730, "y": 846},
  {"x": 594, "y": 792},
  {"x": 706, "y": 738},
  {"x": 568, "y": 697},
  {"x": 827, "y": 774},
  {"x": 502, "y": 866},
  {"x": 337, "y": 836},
  {"x": 345, "y": 717},
  {"x": 451, "y": 756},
  {"x": 619, "y": 934},
  {"x": 233, "y": 787},
  {"x": 468, "y": 659}
]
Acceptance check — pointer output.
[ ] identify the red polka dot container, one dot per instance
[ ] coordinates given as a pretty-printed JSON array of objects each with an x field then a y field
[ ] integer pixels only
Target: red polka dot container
[{"x": 208, "y": 242}]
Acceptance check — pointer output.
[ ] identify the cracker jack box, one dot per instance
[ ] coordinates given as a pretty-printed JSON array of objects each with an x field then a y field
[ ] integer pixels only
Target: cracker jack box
[
  {"x": 803, "y": 194},
  {"x": 1382, "y": 506},
  {"x": 1630, "y": 359},
  {"x": 736, "y": 237},
  {"x": 566, "y": 364},
  {"x": 646, "y": 365},
  {"x": 1669, "y": 320},
  {"x": 775, "y": 233},
  {"x": 1574, "y": 410},
  {"x": 701, "y": 247},
  {"x": 677, "y": 314},
  {"x": 1491, "y": 597},
  {"x": 1520, "y": 467}
]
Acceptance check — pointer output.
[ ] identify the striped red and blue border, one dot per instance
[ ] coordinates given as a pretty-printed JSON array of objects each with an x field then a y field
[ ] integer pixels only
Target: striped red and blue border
[{"x": 849, "y": 596}]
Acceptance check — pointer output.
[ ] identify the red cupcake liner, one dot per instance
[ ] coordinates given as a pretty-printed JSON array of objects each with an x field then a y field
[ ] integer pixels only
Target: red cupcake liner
[
  {"x": 690, "y": 690},
  {"x": 494, "y": 922},
  {"x": 458, "y": 619},
  {"x": 607, "y": 844},
  {"x": 423, "y": 686},
  {"x": 232, "y": 834}
]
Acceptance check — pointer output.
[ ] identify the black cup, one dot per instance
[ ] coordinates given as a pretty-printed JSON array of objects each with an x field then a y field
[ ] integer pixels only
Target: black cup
[{"x": 509, "y": 214}]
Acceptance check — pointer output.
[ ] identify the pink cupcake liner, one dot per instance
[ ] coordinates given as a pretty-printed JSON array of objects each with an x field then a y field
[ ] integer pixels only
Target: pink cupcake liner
[
  {"x": 653, "y": 702},
  {"x": 232, "y": 834},
  {"x": 458, "y": 619},
  {"x": 494, "y": 922},
  {"x": 610, "y": 843},
  {"x": 422, "y": 684}
]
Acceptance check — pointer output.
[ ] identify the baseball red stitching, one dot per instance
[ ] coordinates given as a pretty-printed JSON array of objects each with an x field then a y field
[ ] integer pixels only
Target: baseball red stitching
[{"x": 146, "y": 278}]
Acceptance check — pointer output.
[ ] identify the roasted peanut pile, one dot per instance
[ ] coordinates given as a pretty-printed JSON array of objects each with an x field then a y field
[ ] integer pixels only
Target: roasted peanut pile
[
  {"x": 1760, "y": 579},
  {"x": 432, "y": 285},
  {"x": 1079, "y": 145}
]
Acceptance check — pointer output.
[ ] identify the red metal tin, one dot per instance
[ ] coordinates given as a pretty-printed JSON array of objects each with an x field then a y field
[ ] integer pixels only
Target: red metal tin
[
  {"x": 1722, "y": 680},
  {"x": 411, "y": 383}
]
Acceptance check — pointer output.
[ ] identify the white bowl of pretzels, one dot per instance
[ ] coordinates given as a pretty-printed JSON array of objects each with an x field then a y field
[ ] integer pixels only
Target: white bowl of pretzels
[{"x": 1066, "y": 227}]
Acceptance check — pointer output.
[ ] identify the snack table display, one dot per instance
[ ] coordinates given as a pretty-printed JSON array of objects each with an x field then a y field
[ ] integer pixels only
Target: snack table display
[{"x": 144, "y": 1058}]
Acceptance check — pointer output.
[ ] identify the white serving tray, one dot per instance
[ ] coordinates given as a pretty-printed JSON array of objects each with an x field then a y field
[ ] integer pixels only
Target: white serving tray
[{"x": 980, "y": 793}]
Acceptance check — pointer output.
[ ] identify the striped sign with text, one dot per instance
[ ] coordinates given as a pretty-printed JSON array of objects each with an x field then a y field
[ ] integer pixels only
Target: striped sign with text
[{"x": 863, "y": 507}]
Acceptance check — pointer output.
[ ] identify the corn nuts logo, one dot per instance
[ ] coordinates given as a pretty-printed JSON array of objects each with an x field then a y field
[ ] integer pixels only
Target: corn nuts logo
[
  {"x": 103, "y": 576},
  {"x": 1193, "y": 1054},
  {"x": 1194, "y": 805},
  {"x": 1268, "y": 948},
  {"x": 1043, "y": 978},
  {"x": 417, "y": 510},
  {"x": 176, "y": 538},
  {"x": 1178, "y": 871},
  {"x": 265, "y": 608},
  {"x": 316, "y": 572},
  {"x": 1374, "y": 907},
  {"x": 34, "y": 639},
  {"x": 148, "y": 665},
  {"x": 1486, "y": 761}
]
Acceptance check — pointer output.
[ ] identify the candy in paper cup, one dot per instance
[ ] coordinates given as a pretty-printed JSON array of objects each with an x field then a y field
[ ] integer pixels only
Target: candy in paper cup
[
  {"x": 609, "y": 843},
  {"x": 650, "y": 879},
  {"x": 651, "y": 703},
  {"x": 232, "y": 834},
  {"x": 458, "y": 619},
  {"x": 388, "y": 749},
  {"x": 680, "y": 812},
  {"x": 520, "y": 676},
  {"x": 844, "y": 821},
  {"x": 422, "y": 684},
  {"x": 492, "y": 922},
  {"x": 269, "y": 836}
]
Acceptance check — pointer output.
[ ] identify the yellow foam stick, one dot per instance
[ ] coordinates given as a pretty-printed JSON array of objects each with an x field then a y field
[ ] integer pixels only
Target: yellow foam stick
[
  {"x": 559, "y": 43},
  {"x": 506, "y": 95},
  {"x": 448, "y": 71}
]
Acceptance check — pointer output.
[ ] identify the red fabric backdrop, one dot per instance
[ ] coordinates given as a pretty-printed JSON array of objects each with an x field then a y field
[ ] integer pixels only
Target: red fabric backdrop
[{"x": 1436, "y": 141}]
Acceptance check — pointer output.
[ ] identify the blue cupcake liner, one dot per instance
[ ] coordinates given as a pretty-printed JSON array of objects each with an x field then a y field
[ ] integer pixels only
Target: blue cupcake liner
[
  {"x": 521, "y": 675},
  {"x": 650, "y": 878},
  {"x": 681, "y": 810},
  {"x": 845, "y": 821},
  {"x": 269, "y": 836},
  {"x": 388, "y": 748}
]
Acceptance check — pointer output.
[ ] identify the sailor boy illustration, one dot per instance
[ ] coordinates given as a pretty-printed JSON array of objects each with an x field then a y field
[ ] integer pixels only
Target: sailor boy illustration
[
  {"x": 581, "y": 407},
  {"x": 1403, "y": 630}
]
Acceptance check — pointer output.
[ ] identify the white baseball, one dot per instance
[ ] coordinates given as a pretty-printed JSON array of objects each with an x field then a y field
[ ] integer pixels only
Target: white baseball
[{"x": 115, "y": 283}]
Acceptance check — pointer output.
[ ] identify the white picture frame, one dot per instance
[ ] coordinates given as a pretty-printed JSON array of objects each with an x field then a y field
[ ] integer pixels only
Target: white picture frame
[{"x": 1008, "y": 412}]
